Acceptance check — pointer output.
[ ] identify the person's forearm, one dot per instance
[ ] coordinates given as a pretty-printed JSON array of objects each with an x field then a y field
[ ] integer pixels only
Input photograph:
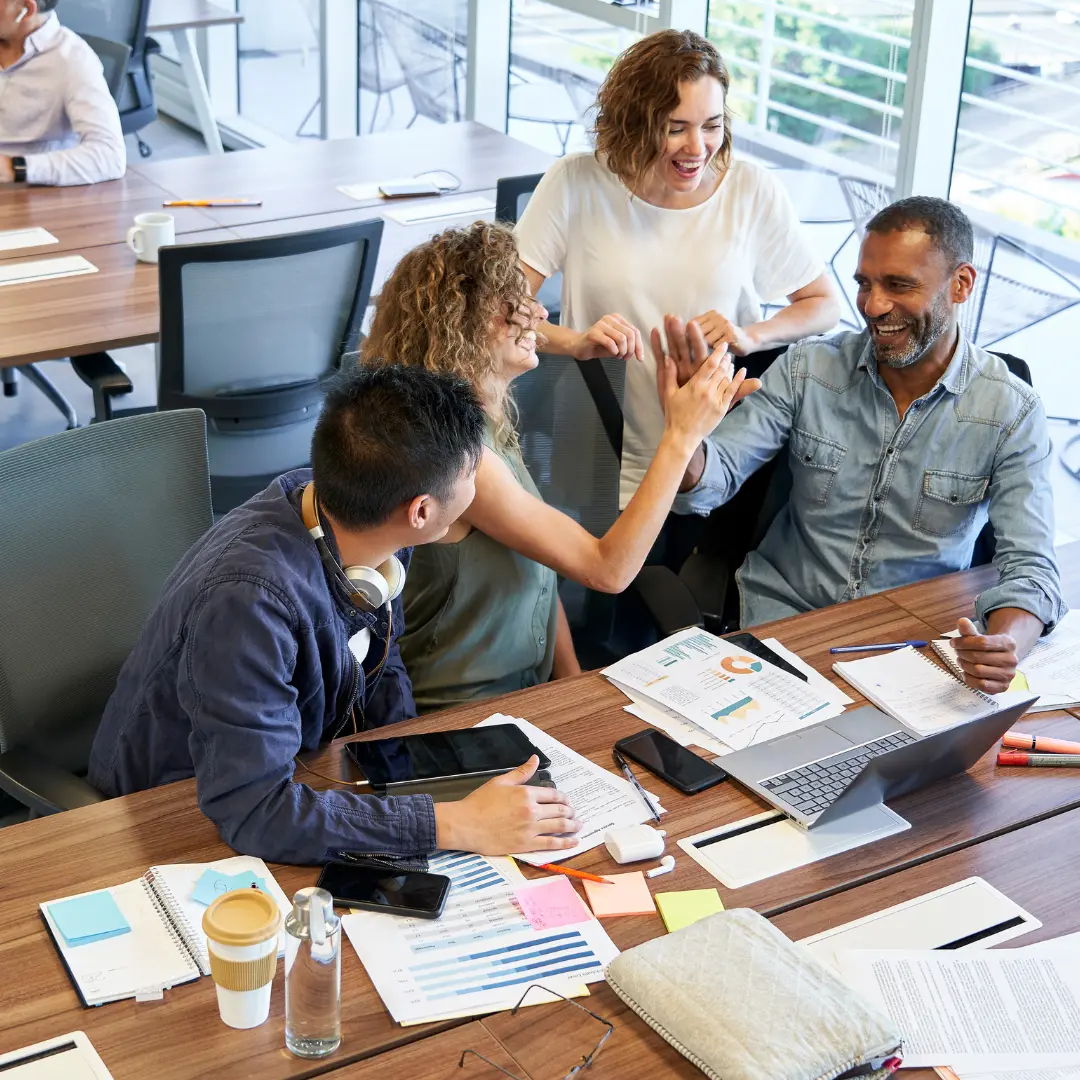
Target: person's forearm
[
  {"x": 803, "y": 318},
  {"x": 556, "y": 339},
  {"x": 565, "y": 662},
  {"x": 1023, "y": 627}
]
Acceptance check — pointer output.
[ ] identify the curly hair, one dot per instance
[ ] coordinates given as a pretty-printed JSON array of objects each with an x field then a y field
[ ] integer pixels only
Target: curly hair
[
  {"x": 641, "y": 92},
  {"x": 437, "y": 307}
]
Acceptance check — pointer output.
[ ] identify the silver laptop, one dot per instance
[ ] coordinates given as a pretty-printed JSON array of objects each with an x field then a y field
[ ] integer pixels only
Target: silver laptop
[{"x": 859, "y": 759}]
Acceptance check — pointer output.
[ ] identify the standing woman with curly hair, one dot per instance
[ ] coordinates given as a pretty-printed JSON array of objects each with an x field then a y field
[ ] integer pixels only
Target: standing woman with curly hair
[
  {"x": 662, "y": 220},
  {"x": 482, "y": 615}
]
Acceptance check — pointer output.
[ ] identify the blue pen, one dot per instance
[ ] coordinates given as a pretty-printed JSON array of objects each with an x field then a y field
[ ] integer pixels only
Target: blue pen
[{"x": 880, "y": 648}]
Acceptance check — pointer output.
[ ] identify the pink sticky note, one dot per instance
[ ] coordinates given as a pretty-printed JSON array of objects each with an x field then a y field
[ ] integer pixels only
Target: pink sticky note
[
  {"x": 552, "y": 903},
  {"x": 628, "y": 895}
]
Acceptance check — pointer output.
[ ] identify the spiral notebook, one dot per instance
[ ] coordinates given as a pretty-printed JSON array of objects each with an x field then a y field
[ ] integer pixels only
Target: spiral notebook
[
  {"x": 911, "y": 688},
  {"x": 142, "y": 937}
]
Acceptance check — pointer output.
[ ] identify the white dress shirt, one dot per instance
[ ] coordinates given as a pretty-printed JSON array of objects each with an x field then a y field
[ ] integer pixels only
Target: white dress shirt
[{"x": 57, "y": 112}]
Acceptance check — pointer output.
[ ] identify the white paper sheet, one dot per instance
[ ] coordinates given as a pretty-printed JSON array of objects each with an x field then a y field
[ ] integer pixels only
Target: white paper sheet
[
  {"x": 601, "y": 800},
  {"x": 826, "y": 687},
  {"x": 768, "y": 844},
  {"x": 682, "y": 731},
  {"x": 19, "y": 273},
  {"x": 969, "y": 909},
  {"x": 367, "y": 192},
  {"x": 985, "y": 1011},
  {"x": 478, "y": 956},
  {"x": 738, "y": 699},
  {"x": 1022, "y": 1074},
  {"x": 13, "y": 239},
  {"x": 438, "y": 209}
]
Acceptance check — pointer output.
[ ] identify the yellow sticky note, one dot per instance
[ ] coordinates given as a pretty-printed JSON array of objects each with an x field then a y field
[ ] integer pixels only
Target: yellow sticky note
[
  {"x": 1019, "y": 682},
  {"x": 680, "y": 909},
  {"x": 627, "y": 895}
]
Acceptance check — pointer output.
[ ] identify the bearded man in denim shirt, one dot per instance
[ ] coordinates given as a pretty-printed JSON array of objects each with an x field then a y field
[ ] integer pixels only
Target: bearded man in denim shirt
[{"x": 902, "y": 440}]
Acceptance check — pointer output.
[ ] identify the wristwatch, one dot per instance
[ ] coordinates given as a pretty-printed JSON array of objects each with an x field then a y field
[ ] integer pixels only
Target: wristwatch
[{"x": 18, "y": 167}]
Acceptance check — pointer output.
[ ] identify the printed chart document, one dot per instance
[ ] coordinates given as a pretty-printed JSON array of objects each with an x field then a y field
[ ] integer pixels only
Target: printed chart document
[
  {"x": 969, "y": 914},
  {"x": 976, "y": 1011},
  {"x": 477, "y": 957},
  {"x": 601, "y": 800},
  {"x": 738, "y": 699}
]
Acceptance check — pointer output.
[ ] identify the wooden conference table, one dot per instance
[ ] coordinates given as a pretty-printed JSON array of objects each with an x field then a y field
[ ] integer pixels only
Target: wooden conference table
[
  {"x": 116, "y": 841},
  {"x": 297, "y": 182}
]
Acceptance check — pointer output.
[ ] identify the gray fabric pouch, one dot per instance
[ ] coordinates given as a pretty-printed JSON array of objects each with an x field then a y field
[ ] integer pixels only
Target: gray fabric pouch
[{"x": 742, "y": 1002}]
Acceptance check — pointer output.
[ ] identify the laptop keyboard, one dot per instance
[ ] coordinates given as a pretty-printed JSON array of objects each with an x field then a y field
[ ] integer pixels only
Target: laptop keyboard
[{"x": 812, "y": 788}]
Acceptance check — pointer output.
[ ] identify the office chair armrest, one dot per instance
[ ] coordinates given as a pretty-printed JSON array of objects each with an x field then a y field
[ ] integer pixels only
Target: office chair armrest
[
  {"x": 105, "y": 378},
  {"x": 41, "y": 786},
  {"x": 670, "y": 604}
]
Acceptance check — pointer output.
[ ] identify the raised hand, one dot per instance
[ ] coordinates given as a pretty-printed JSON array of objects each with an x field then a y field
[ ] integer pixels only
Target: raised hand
[{"x": 612, "y": 337}]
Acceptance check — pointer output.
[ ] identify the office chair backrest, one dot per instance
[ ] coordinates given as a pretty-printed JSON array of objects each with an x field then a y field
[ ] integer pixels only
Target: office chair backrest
[
  {"x": 114, "y": 61},
  {"x": 864, "y": 199},
  {"x": 92, "y": 522},
  {"x": 249, "y": 330},
  {"x": 512, "y": 194}
]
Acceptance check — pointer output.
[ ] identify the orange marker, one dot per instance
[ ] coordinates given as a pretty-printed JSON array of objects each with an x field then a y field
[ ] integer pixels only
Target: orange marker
[
  {"x": 1018, "y": 740},
  {"x": 1018, "y": 757}
]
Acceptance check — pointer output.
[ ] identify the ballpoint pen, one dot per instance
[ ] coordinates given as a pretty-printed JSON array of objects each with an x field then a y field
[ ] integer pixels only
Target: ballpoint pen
[
  {"x": 879, "y": 648},
  {"x": 621, "y": 762}
]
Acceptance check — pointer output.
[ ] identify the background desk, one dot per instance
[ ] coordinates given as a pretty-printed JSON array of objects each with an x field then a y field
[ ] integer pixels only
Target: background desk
[
  {"x": 118, "y": 840},
  {"x": 119, "y": 305}
]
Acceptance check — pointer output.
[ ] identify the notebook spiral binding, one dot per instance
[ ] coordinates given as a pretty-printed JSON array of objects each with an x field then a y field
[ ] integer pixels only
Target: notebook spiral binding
[
  {"x": 179, "y": 928},
  {"x": 956, "y": 671}
]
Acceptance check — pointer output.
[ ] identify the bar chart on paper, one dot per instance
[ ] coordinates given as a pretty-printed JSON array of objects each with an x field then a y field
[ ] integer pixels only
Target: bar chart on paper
[
  {"x": 479, "y": 955},
  {"x": 471, "y": 873}
]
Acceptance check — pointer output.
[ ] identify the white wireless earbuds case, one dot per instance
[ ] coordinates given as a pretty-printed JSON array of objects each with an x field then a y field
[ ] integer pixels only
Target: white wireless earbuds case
[{"x": 632, "y": 843}]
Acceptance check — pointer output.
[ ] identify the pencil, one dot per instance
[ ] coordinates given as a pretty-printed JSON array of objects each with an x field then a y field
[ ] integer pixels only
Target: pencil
[
  {"x": 555, "y": 869},
  {"x": 212, "y": 202}
]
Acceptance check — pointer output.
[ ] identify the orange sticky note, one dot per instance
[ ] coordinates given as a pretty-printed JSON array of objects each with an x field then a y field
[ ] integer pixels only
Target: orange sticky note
[{"x": 628, "y": 895}]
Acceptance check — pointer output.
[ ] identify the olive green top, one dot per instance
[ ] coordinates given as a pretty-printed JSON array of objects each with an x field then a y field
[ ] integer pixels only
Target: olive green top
[{"x": 479, "y": 618}]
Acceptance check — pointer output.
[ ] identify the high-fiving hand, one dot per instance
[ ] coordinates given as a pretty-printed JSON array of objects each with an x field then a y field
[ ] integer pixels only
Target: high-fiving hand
[
  {"x": 718, "y": 330},
  {"x": 611, "y": 337}
]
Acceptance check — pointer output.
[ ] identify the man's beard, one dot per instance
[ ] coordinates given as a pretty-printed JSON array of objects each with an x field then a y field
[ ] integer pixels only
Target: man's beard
[{"x": 925, "y": 333}]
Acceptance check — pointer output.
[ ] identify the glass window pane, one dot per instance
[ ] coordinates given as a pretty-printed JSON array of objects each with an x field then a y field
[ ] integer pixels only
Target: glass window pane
[
  {"x": 558, "y": 59},
  {"x": 278, "y": 61},
  {"x": 412, "y": 65},
  {"x": 1016, "y": 171}
]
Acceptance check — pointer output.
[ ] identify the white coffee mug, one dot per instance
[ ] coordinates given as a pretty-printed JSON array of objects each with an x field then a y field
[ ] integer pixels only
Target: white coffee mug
[{"x": 149, "y": 234}]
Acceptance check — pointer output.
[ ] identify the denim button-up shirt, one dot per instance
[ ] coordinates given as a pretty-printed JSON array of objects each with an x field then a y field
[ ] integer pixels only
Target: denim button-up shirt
[{"x": 879, "y": 501}]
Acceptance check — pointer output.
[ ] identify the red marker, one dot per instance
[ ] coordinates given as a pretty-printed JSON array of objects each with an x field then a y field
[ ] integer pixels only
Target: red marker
[
  {"x": 1018, "y": 740},
  {"x": 1018, "y": 757}
]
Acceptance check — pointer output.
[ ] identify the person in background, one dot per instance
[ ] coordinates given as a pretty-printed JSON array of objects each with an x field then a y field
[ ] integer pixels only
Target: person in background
[
  {"x": 58, "y": 122},
  {"x": 902, "y": 441},
  {"x": 482, "y": 614},
  {"x": 260, "y": 647},
  {"x": 662, "y": 218}
]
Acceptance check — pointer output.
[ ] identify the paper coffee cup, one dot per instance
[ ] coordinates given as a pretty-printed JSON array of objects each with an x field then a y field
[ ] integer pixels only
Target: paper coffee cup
[{"x": 241, "y": 930}]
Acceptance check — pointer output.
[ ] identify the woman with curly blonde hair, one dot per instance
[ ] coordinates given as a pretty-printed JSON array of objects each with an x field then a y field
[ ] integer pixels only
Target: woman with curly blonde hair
[
  {"x": 482, "y": 615},
  {"x": 662, "y": 220}
]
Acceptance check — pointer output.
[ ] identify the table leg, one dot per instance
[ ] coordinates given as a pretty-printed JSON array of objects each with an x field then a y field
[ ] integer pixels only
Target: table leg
[{"x": 196, "y": 84}]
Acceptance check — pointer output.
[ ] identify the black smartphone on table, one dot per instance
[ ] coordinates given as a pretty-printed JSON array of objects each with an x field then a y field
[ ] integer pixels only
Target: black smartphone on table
[
  {"x": 396, "y": 892},
  {"x": 410, "y": 761},
  {"x": 664, "y": 757},
  {"x": 762, "y": 651}
]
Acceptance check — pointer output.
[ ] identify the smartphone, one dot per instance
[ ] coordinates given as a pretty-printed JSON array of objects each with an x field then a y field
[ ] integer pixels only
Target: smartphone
[
  {"x": 405, "y": 892},
  {"x": 681, "y": 768},
  {"x": 405, "y": 189},
  {"x": 762, "y": 651},
  {"x": 442, "y": 755}
]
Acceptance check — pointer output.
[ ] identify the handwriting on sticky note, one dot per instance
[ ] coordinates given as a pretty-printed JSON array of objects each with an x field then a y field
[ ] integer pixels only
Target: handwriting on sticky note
[
  {"x": 628, "y": 894},
  {"x": 680, "y": 909},
  {"x": 551, "y": 903},
  {"x": 213, "y": 884}
]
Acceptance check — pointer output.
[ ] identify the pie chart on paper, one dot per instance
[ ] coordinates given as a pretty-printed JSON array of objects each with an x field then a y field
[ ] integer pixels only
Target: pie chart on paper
[{"x": 740, "y": 665}]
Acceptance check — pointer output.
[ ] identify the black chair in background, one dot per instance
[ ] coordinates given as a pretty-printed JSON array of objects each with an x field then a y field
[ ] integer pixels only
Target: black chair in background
[
  {"x": 249, "y": 331},
  {"x": 123, "y": 21},
  {"x": 701, "y": 591}
]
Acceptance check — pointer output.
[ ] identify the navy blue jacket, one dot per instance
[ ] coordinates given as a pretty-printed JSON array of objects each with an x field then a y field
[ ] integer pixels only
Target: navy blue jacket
[{"x": 245, "y": 663}]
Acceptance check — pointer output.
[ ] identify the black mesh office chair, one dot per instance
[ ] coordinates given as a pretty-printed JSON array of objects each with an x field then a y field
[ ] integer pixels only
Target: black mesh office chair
[
  {"x": 702, "y": 591},
  {"x": 114, "y": 57},
  {"x": 123, "y": 21},
  {"x": 92, "y": 522}
]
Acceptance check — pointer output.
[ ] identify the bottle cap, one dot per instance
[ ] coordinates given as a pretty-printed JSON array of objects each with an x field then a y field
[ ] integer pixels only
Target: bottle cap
[
  {"x": 313, "y": 908},
  {"x": 242, "y": 917}
]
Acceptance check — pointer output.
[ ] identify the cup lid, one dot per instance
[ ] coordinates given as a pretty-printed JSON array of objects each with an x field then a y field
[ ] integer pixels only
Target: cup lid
[{"x": 242, "y": 917}]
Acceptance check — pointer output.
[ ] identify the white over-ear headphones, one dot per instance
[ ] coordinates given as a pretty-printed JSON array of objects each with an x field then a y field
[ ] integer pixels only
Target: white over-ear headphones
[{"x": 367, "y": 587}]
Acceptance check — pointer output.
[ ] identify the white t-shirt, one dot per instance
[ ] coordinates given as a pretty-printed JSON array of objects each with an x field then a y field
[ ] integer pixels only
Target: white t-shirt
[{"x": 741, "y": 247}]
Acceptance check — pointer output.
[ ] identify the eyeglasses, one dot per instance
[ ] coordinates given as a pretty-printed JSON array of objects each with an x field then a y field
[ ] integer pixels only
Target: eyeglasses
[{"x": 585, "y": 1061}]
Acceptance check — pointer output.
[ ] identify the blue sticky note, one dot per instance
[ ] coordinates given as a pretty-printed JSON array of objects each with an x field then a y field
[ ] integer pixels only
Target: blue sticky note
[
  {"x": 213, "y": 884},
  {"x": 92, "y": 917}
]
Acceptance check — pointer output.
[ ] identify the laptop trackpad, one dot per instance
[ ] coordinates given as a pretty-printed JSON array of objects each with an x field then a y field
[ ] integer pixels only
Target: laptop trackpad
[{"x": 788, "y": 752}]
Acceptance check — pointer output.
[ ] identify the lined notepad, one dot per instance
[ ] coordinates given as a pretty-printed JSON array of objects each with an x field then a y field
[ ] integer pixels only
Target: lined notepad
[
  {"x": 911, "y": 688},
  {"x": 20, "y": 273}
]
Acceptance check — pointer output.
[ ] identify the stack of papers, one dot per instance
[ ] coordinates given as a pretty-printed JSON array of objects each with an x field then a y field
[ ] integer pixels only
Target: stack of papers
[
  {"x": 601, "y": 800},
  {"x": 731, "y": 699}
]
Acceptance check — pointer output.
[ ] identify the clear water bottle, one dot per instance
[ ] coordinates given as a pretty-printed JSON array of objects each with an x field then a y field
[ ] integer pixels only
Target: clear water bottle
[{"x": 312, "y": 975}]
